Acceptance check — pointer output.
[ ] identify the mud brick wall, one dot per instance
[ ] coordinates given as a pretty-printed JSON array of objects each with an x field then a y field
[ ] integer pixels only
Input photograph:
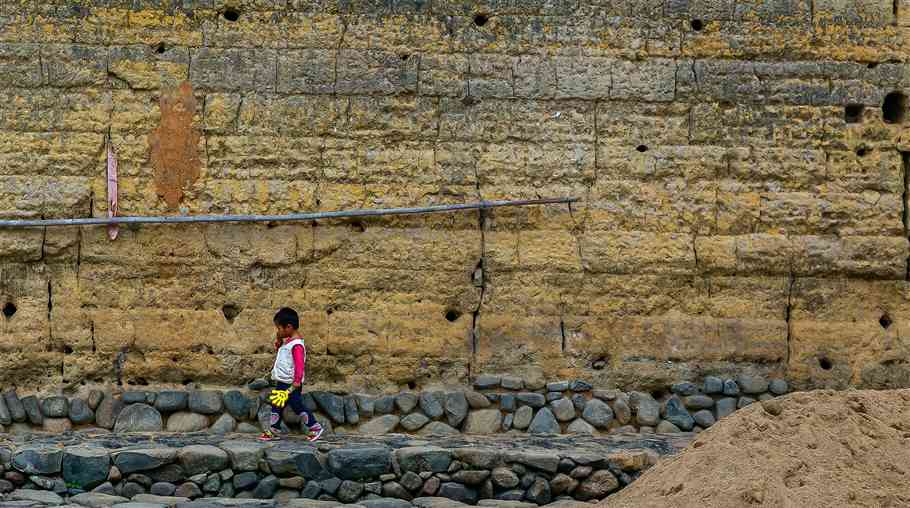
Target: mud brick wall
[{"x": 741, "y": 167}]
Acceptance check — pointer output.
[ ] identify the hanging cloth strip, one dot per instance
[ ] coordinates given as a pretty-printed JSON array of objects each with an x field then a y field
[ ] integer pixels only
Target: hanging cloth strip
[{"x": 112, "y": 229}]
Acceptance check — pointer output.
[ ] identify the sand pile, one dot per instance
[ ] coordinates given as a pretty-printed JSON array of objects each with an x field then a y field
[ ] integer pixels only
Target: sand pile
[{"x": 811, "y": 449}]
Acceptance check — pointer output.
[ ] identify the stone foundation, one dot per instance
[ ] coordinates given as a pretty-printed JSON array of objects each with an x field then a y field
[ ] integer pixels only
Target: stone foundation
[
  {"x": 392, "y": 470},
  {"x": 496, "y": 404}
]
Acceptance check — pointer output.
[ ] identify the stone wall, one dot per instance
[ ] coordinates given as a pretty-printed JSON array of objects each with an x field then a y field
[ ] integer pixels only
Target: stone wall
[{"x": 741, "y": 168}]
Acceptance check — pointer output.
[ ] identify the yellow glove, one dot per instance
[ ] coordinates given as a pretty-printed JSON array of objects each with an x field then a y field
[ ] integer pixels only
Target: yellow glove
[{"x": 279, "y": 397}]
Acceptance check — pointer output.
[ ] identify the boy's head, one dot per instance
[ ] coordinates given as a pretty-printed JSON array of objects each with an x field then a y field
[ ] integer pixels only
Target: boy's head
[{"x": 286, "y": 322}]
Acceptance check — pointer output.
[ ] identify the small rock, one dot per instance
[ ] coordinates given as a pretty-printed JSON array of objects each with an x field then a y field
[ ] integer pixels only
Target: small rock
[
  {"x": 384, "y": 405},
  {"x": 778, "y": 387},
  {"x": 581, "y": 472},
  {"x": 713, "y": 384},
  {"x": 544, "y": 423},
  {"x": 430, "y": 487},
  {"x": 725, "y": 406},
  {"x": 207, "y": 402},
  {"x": 472, "y": 477},
  {"x": 579, "y": 401},
  {"x": 483, "y": 421},
  {"x": 266, "y": 487},
  {"x": 523, "y": 417},
  {"x": 86, "y": 467},
  {"x": 171, "y": 401},
  {"x": 330, "y": 485},
  {"x": 423, "y": 458},
  {"x": 512, "y": 383},
  {"x": 458, "y": 492},
  {"x": 380, "y": 425},
  {"x": 414, "y": 421},
  {"x": 197, "y": 459},
  {"x": 535, "y": 400},
  {"x": 676, "y": 413},
  {"x": 744, "y": 401},
  {"x": 484, "y": 382},
  {"x": 477, "y": 400},
  {"x": 312, "y": 490},
  {"x": 621, "y": 411},
  {"x": 138, "y": 418},
  {"x": 237, "y": 404},
  {"x": 224, "y": 424},
  {"x": 665, "y": 427},
  {"x": 731, "y": 388},
  {"x": 41, "y": 460},
  {"x": 406, "y": 402},
  {"x": 564, "y": 410},
  {"x": 506, "y": 402},
  {"x": 33, "y": 410},
  {"x": 212, "y": 484},
  {"x": 80, "y": 413},
  {"x": 580, "y": 386},
  {"x": 647, "y": 410},
  {"x": 683, "y": 389},
  {"x": 551, "y": 396},
  {"x": 133, "y": 397},
  {"x": 349, "y": 491},
  {"x": 752, "y": 385},
  {"x": 360, "y": 463},
  {"x": 597, "y": 413},
  {"x": 245, "y": 481},
  {"x": 247, "y": 428},
  {"x": 558, "y": 386},
  {"x": 94, "y": 398},
  {"x": 431, "y": 404},
  {"x": 294, "y": 482},
  {"x": 507, "y": 422},
  {"x": 55, "y": 407},
  {"x": 562, "y": 483},
  {"x": 580, "y": 426},
  {"x": 396, "y": 490},
  {"x": 456, "y": 408},
  {"x": 597, "y": 486},
  {"x": 188, "y": 489},
  {"x": 105, "y": 488},
  {"x": 373, "y": 488},
  {"x": 258, "y": 384},
  {"x": 351, "y": 414},
  {"x": 411, "y": 481},
  {"x": 698, "y": 402},
  {"x": 438, "y": 428},
  {"x": 504, "y": 477},
  {"x": 132, "y": 489},
  {"x": 57, "y": 425},
  {"x": 539, "y": 492},
  {"x": 704, "y": 418},
  {"x": 163, "y": 489}
]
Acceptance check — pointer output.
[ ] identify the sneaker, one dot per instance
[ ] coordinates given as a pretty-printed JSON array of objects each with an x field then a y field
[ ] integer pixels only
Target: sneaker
[
  {"x": 269, "y": 436},
  {"x": 314, "y": 433}
]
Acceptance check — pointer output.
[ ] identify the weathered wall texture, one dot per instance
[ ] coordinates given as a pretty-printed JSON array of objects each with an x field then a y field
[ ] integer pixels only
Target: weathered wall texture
[{"x": 743, "y": 189}]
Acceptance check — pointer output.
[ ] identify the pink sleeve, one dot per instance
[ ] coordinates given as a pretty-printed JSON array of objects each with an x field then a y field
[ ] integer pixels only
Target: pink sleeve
[{"x": 299, "y": 354}]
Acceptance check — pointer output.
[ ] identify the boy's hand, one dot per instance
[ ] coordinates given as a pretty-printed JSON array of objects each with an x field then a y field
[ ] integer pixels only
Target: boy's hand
[{"x": 294, "y": 388}]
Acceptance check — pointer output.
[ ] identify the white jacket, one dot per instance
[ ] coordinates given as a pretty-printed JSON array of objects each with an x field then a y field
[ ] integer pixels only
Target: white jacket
[{"x": 283, "y": 370}]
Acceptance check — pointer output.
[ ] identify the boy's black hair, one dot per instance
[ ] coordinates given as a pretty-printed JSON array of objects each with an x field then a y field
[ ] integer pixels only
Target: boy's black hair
[{"x": 287, "y": 316}]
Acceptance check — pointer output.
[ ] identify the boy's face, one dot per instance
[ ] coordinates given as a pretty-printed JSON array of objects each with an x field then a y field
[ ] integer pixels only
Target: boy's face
[{"x": 284, "y": 332}]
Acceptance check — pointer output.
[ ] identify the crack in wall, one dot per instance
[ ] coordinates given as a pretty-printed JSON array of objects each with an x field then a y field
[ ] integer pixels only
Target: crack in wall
[
  {"x": 905, "y": 213},
  {"x": 787, "y": 316}
]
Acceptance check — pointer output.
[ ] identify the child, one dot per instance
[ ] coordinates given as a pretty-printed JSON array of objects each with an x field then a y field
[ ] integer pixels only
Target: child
[{"x": 288, "y": 374}]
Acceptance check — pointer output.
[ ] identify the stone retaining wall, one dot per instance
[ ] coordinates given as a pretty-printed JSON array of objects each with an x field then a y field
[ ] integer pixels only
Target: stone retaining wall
[
  {"x": 348, "y": 474},
  {"x": 495, "y": 404}
]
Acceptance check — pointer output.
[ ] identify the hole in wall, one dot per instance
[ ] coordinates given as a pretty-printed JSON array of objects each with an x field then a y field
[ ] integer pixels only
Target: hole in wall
[
  {"x": 894, "y": 107},
  {"x": 599, "y": 364},
  {"x": 358, "y": 226},
  {"x": 67, "y": 349},
  {"x": 642, "y": 148},
  {"x": 231, "y": 14},
  {"x": 452, "y": 315},
  {"x": 160, "y": 48},
  {"x": 825, "y": 363},
  {"x": 187, "y": 382},
  {"x": 140, "y": 381},
  {"x": 885, "y": 321},
  {"x": 658, "y": 394},
  {"x": 404, "y": 57},
  {"x": 412, "y": 385},
  {"x": 853, "y": 113},
  {"x": 230, "y": 311},
  {"x": 697, "y": 24},
  {"x": 330, "y": 311},
  {"x": 9, "y": 310},
  {"x": 481, "y": 19},
  {"x": 872, "y": 65},
  {"x": 863, "y": 151}
]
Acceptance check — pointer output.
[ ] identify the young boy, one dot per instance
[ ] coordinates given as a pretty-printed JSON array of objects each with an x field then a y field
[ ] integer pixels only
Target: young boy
[{"x": 288, "y": 374}]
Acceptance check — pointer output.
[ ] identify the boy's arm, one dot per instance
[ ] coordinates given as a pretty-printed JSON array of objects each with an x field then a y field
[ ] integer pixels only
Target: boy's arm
[{"x": 299, "y": 354}]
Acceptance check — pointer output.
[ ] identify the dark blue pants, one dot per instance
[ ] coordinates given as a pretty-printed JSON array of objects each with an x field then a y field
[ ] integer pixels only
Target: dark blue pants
[{"x": 295, "y": 400}]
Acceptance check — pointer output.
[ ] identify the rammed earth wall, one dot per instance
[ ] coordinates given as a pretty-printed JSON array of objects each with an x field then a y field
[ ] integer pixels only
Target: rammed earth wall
[{"x": 740, "y": 165}]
